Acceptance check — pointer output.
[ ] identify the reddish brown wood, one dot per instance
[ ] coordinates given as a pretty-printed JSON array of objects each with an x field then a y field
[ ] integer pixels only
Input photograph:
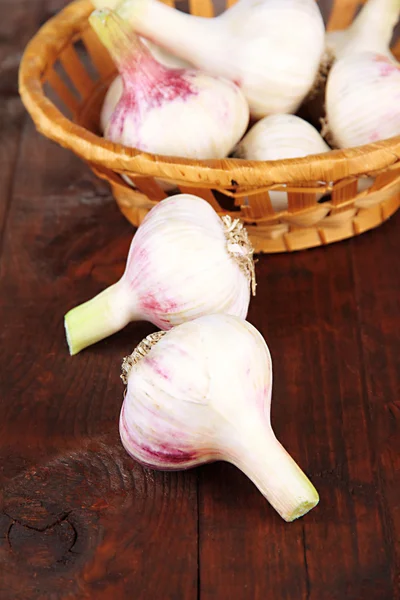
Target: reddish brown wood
[
  {"x": 307, "y": 309},
  {"x": 378, "y": 322},
  {"x": 78, "y": 518}
]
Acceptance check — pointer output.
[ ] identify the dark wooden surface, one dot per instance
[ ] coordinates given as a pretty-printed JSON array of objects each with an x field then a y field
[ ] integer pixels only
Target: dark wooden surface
[{"x": 78, "y": 518}]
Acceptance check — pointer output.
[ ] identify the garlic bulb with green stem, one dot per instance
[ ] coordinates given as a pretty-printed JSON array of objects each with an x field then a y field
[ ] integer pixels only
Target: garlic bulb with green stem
[
  {"x": 362, "y": 99},
  {"x": 184, "y": 261},
  {"x": 202, "y": 392},
  {"x": 280, "y": 137},
  {"x": 371, "y": 30},
  {"x": 173, "y": 112},
  {"x": 270, "y": 48}
]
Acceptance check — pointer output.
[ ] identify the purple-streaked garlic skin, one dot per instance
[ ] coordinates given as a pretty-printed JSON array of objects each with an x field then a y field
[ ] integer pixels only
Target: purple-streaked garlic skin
[
  {"x": 179, "y": 410},
  {"x": 202, "y": 392},
  {"x": 184, "y": 262},
  {"x": 270, "y": 48},
  {"x": 173, "y": 112},
  {"x": 178, "y": 266}
]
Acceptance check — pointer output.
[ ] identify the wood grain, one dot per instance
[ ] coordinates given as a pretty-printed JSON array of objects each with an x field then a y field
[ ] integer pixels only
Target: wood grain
[
  {"x": 307, "y": 310},
  {"x": 78, "y": 518}
]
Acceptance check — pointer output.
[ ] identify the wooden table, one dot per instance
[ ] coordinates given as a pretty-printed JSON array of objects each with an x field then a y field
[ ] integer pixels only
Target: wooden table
[{"x": 81, "y": 520}]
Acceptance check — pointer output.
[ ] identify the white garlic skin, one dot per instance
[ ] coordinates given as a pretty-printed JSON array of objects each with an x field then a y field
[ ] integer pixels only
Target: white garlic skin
[
  {"x": 271, "y": 48},
  {"x": 198, "y": 383},
  {"x": 206, "y": 123},
  {"x": 111, "y": 100},
  {"x": 363, "y": 99},
  {"x": 203, "y": 393},
  {"x": 184, "y": 262},
  {"x": 279, "y": 137},
  {"x": 178, "y": 266}
]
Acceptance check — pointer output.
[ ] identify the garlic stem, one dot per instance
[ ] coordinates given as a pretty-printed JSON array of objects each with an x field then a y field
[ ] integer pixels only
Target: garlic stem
[
  {"x": 125, "y": 47},
  {"x": 155, "y": 20},
  {"x": 98, "y": 318},
  {"x": 271, "y": 468},
  {"x": 372, "y": 29}
]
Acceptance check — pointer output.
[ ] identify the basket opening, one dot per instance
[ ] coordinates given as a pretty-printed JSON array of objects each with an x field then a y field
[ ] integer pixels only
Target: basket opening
[{"x": 85, "y": 60}]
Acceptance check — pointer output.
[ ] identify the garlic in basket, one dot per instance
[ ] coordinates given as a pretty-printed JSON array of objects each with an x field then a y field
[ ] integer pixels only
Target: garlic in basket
[
  {"x": 280, "y": 137},
  {"x": 168, "y": 111},
  {"x": 184, "y": 262},
  {"x": 114, "y": 92},
  {"x": 270, "y": 48},
  {"x": 363, "y": 99},
  {"x": 202, "y": 392},
  {"x": 371, "y": 30}
]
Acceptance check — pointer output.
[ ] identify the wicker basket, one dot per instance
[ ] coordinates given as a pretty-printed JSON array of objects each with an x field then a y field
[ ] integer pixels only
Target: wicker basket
[{"x": 66, "y": 55}]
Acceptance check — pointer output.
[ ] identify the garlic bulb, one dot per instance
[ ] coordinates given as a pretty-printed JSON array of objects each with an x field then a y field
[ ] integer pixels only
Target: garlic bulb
[
  {"x": 371, "y": 30},
  {"x": 114, "y": 92},
  {"x": 202, "y": 392},
  {"x": 184, "y": 262},
  {"x": 174, "y": 112},
  {"x": 111, "y": 100},
  {"x": 270, "y": 48},
  {"x": 280, "y": 137},
  {"x": 362, "y": 99}
]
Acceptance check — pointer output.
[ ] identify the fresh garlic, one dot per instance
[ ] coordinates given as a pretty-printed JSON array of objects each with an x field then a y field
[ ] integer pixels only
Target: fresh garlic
[
  {"x": 184, "y": 262},
  {"x": 111, "y": 100},
  {"x": 270, "y": 48},
  {"x": 114, "y": 92},
  {"x": 165, "y": 111},
  {"x": 371, "y": 30},
  {"x": 202, "y": 392},
  {"x": 280, "y": 137},
  {"x": 164, "y": 57},
  {"x": 362, "y": 99}
]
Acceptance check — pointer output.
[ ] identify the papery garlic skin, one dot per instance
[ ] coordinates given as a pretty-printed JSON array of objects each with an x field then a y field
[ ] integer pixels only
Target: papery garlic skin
[
  {"x": 271, "y": 48},
  {"x": 114, "y": 92},
  {"x": 173, "y": 112},
  {"x": 280, "y": 137},
  {"x": 371, "y": 30},
  {"x": 201, "y": 132},
  {"x": 203, "y": 393},
  {"x": 362, "y": 99},
  {"x": 111, "y": 100},
  {"x": 183, "y": 262}
]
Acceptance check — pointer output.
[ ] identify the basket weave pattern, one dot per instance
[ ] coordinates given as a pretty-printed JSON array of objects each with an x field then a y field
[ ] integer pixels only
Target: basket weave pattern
[{"x": 64, "y": 76}]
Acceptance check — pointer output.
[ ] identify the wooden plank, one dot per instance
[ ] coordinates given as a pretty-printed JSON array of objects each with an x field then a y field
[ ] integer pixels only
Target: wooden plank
[
  {"x": 19, "y": 19},
  {"x": 78, "y": 518},
  {"x": 11, "y": 119},
  {"x": 81, "y": 518},
  {"x": 377, "y": 289},
  {"x": 305, "y": 308}
]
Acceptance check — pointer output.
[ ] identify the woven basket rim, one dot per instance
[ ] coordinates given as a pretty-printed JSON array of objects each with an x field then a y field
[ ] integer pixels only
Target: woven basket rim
[{"x": 61, "y": 29}]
